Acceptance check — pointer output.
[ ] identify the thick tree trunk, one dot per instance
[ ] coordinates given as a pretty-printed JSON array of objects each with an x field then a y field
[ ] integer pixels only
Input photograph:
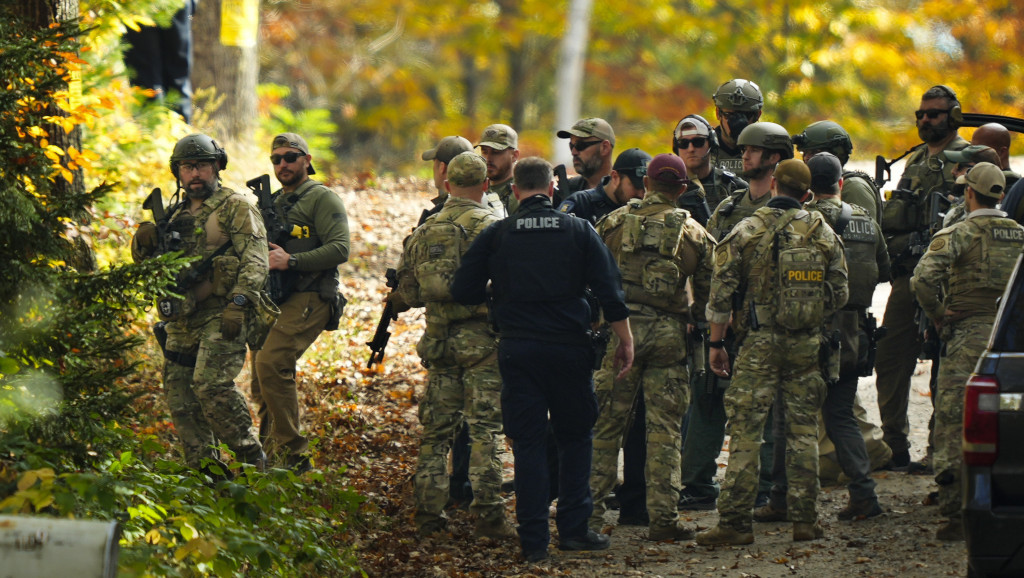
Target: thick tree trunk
[{"x": 232, "y": 71}]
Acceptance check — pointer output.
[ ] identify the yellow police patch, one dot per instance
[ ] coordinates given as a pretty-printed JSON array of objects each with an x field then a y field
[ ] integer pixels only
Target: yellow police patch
[
  {"x": 937, "y": 244},
  {"x": 721, "y": 258}
]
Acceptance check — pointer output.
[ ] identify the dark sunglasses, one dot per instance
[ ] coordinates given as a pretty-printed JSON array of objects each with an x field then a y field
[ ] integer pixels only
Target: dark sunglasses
[
  {"x": 932, "y": 113},
  {"x": 582, "y": 146},
  {"x": 697, "y": 142},
  {"x": 288, "y": 158}
]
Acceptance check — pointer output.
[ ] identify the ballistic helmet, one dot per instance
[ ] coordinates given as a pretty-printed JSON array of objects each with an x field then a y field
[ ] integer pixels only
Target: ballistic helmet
[
  {"x": 739, "y": 94},
  {"x": 769, "y": 136},
  {"x": 825, "y": 136},
  {"x": 198, "y": 147}
]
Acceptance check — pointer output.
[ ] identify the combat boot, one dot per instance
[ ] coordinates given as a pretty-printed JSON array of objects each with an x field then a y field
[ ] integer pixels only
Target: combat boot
[
  {"x": 675, "y": 532},
  {"x": 723, "y": 535},
  {"x": 860, "y": 509},
  {"x": 494, "y": 529},
  {"x": 768, "y": 513},
  {"x": 804, "y": 531},
  {"x": 951, "y": 531}
]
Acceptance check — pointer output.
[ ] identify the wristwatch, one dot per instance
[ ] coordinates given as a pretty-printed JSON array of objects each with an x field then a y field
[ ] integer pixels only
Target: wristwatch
[
  {"x": 240, "y": 300},
  {"x": 292, "y": 261}
]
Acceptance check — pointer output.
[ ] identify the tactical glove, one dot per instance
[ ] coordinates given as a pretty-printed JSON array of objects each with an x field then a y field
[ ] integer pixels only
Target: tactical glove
[{"x": 231, "y": 321}]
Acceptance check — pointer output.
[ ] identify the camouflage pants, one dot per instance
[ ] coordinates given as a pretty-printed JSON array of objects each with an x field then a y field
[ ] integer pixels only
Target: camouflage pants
[
  {"x": 660, "y": 368},
  {"x": 771, "y": 365},
  {"x": 968, "y": 341},
  {"x": 463, "y": 382},
  {"x": 206, "y": 406}
]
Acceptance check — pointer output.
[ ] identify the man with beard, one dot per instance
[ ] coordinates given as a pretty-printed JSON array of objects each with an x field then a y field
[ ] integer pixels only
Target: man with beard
[
  {"x": 306, "y": 261},
  {"x": 591, "y": 142},
  {"x": 695, "y": 142},
  {"x": 905, "y": 224},
  {"x": 738, "y": 103},
  {"x": 206, "y": 332},
  {"x": 625, "y": 182},
  {"x": 448, "y": 148},
  {"x": 499, "y": 145}
]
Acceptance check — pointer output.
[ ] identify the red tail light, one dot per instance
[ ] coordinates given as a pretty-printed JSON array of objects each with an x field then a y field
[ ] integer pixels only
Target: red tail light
[{"x": 981, "y": 420}]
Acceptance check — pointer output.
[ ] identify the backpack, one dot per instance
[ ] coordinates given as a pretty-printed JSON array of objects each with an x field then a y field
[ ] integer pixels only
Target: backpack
[
  {"x": 436, "y": 256},
  {"x": 650, "y": 244},
  {"x": 792, "y": 272}
]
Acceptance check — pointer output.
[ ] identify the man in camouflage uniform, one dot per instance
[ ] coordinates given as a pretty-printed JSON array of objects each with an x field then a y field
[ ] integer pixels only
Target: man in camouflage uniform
[
  {"x": 905, "y": 224},
  {"x": 778, "y": 275},
  {"x": 965, "y": 158},
  {"x": 738, "y": 103},
  {"x": 830, "y": 137},
  {"x": 459, "y": 349},
  {"x": 958, "y": 282},
  {"x": 867, "y": 260},
  {"x": 306, "y": 266},
  {"x": 499, "y": 145},
  {"x": 695, "y": 142},
  {"x": 657, "y": 248},
  {"x": 442, "y": 154},
  {"x": 591, "y": 142},
  {"x": 207, "y": 331}
]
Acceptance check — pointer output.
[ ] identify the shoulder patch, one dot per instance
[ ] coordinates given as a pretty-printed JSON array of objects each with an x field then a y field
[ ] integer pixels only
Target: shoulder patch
[
  {"x": 937, "y": 244},
  {"x": 566, "y": 206},
  {"x": 721, "y": 257}
]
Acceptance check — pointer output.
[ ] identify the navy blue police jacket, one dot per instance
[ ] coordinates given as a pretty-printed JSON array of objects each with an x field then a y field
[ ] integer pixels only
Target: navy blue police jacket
[
  {"x": 590, "y": 204},
  {"x": 539, "y": 262}
]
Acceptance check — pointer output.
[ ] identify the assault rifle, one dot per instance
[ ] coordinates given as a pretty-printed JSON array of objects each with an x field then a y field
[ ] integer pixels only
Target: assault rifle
[
  {"x": 166, "y": 241},
  {"x": 381, "y": 336},
  {"x": 883, "y": 167},
  {"x": 276, "y": 230},
  {"x": 696, "y": 204}
]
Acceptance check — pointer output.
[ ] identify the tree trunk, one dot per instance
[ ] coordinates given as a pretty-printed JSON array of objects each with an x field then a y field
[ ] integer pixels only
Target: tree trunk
[
  {"x": 570, "y": 75},
  {"x": 225, "y": 60}
]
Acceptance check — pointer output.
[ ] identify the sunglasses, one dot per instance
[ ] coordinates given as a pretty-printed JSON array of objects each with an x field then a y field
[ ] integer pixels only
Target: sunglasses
[
  {"x": 932, "y": 113},
  {"x": 697, "y": 142},
  {"x": 582, "y": 146},
  {"x": 288, "y": 158}
]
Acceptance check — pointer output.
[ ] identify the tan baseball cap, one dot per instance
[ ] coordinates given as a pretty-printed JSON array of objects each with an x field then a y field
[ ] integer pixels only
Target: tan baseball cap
[
  {"x": 290, "y": 139},
  {"x": 793, "y": 173},
  {"x": 986, "y": 179},
  {"x": 447, "y": 148},
  {"x": 467, "y": 169},
  {"x": 499, "y": 137},
  {"x": 587, "y": 127}
]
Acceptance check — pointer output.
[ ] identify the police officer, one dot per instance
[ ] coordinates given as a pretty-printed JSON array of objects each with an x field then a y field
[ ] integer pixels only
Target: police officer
[
  {"x": 591, "y": 142},
  {"x": 665, "y": 257},
  {"x": 442, "y": 154},
  {"x": 778, "y": 275},
  {"x": 905, "y": 224},
  {"x": 858, "y": 188},
  {"x": 965, "y": 158},
  {"x": 499, "y": 145},
  {"x": 738, "y": 103},
  {"x": 459, "y": 349},
  {"x": 306, "y": 261},
  {"x": 539, "y": 262},
  {"x": 625, "y": 182},
  {"x": 695, "y": 142},
  {"x": 958, "y": 282},
  {"x": 207, "y": 331},
  {"x": 867, "y": 260}
]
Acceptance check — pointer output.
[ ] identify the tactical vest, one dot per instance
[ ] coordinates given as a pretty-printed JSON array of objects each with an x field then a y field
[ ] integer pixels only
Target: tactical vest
[
  {"x": 876, "y": 194},
  {"x": 980, "y": 275},
  {"x": 905, "y": 211},
  {"x": 436, "y": 254},
  {"x": 732, "y": 210},
  {"x": 647, "y": 256},
  {"x": 860, "y": 238},
  {"x": 787, "y": 279}
]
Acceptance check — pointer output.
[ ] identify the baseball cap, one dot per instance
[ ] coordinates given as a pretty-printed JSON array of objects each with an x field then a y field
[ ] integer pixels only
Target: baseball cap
[
  {"x": 668, "y": 169},
  {"x": 595, "y": 127},
  {"x": 974, "y": 154},
  {"x": 825, "y": 173},
  {"x": 446, "y": 150},
  {"x": 467, "y": 169},
  {"x": 690, "y": 126},
  {"x": 290, "y": 139},
  {"x": 793, "y": 174},
  {"x": 632, "y": 163},
  {"x": 986, "y": 179},
  {"x": 499, "y": 137}
]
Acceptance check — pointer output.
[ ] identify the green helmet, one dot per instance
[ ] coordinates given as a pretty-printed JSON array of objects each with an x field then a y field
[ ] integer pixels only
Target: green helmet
[
  {"x": 197, "y": 147},
  {"x": 739, "y": 94},
  {"x": 769, "y": 136},
  {"x": 825, "y": 135}
]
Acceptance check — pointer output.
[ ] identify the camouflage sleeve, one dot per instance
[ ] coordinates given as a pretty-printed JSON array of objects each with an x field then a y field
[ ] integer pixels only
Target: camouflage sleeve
[
  {"x": 727, "y": 275},
  {"x": 931, "y": 273},
  {"x": 698, "y": 257},
  {"x": 243, "y": 223},
  {"x": 331, "y": 222},
  {"x": 407, "y": 293},
  {"x": 838, "y": 280}
]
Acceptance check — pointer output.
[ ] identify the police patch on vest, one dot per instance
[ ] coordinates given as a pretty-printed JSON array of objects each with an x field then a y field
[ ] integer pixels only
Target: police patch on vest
[
  {"x": 1007, "y": 234},
  {"x": 859, "y": 231},
  {"x": 937, "y": 245},
  {"x": 805, "y": 276},
  {"x": 526, "y": 223}
]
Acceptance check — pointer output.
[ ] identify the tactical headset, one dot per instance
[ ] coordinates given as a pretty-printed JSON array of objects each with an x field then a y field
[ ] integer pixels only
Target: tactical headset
[
  {"x": 712, "y": 136},
  {"x": 955, "y": 118}
]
